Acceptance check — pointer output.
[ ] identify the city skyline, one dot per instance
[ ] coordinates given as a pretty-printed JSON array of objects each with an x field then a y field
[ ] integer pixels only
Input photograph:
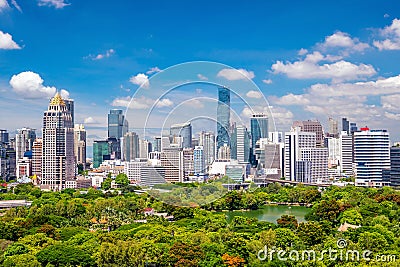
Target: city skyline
[{"x": 295, "y": 67}]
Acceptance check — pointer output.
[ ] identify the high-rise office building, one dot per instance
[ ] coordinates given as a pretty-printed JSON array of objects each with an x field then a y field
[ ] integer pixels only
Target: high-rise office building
[
  {"x": 240, "y": 144},
  {"x": 117, "y": 124},
  {"x": 101, "y": 152},
  {"x": 4, "y": 136},
  {"x": 37, "y": 153},
  {"x": 58, "y": 164},
  {"x": 224, "y": 152},
  {"x": 69, "y": 103},
  {"x": 199, "y": 162},
  {"x": 172, "y": 161},
  {"x": 258, "y": 128},
  {"x": 311, "y": 127},
  {"x": 304, "y": 162},
  {"x": 333, "y": 127},
  {"x": 395, "y": 166},
  {"x": 188, "y": 163},
  {"x": 157, "y": 144},
  {"x": 207, "y": 141},
  {"x": 345, "y": 125},
  {"x": 371, "y": 156},
  {"x": 183, "y": 130},
  {"x": 353, "y": 127},
  {"x": 130, "y": 146},
  {"x": 346, "y": 153},
  {"x": 80, "y": 144},
  {"x": 24, "y": 141},
  {"x": 145, "y": 148},
  {"x": 223, "y": 117}
]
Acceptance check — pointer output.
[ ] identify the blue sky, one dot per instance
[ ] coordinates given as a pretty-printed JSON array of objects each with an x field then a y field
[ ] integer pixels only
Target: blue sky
[{"x": 311, "y": 60}]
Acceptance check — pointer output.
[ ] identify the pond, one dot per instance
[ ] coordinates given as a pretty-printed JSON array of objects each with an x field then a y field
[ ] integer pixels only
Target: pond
[{"x": 270, "y": 213}]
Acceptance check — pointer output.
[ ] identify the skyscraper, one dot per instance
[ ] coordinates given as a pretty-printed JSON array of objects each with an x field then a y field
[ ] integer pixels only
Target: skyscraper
[
  {"x": 144, "y": 148},
  {"x": 395, "y": 166},
  {"x": 304, "y": 162},
  {"x": 37, "y": 152},
  {"x": 207, "y": 141},
  {"x": 172, "y": 161},
  {"x": 58, "y": 164},
  {"x": 240, "y": 145},
  {"x": 258, "y": 128},
  {"x": 345, "y": 125},
  {"x": 130, "y": 148},
  {"x": 70, "y": 107},
  {"x": 183, "y": 130},
  {"x": 157, "y": 144},
  {"x": 198, "y": 158},
  {"x": 24, "y": 141},
  {"x": 311, "y": 127},
  {"x": 4, "y": 136},
  {"x": 333, "y": 127},
  {"x": 80, "y": 144},
  {"x": 223, "y": 116},
  {"x": 346, "y": 153},
  {"x": 101, "y": 152},
  {"x": 371, "y": 156},
  {"x": 117, "y": 124}
]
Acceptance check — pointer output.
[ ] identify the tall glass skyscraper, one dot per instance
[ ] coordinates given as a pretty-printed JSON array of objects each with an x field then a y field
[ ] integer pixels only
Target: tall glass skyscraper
[
  {"x": 223, "y": 116},
  {"x": 117, "y": 124},
  {"x": 183, "y": 130},
  {"x": 259, "y": 128}
]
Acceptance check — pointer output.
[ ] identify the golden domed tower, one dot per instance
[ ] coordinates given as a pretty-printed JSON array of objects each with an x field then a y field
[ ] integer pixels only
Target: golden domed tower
[{"x": 58, "y": 163}]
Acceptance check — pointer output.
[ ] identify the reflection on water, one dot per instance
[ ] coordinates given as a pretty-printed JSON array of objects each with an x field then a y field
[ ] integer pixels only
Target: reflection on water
[{"x": 271, "y": 213}]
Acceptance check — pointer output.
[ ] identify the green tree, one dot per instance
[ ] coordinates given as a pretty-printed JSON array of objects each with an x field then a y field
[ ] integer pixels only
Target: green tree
[
  {"x": 287, "y": 221},
  {"x": 106, "y": 184},
  {"x": 25, "y": 260},
  {"x": 64, "y": 255},
  {"x": 16, "y": 249},
  {"x": 351, "y": 216},
  {"x": 122, "y": 179},
  {"x": 311, "y": 233}
]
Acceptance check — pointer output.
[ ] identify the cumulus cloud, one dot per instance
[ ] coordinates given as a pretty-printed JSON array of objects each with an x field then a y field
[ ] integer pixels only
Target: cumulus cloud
[
  {"x": 106, "y": 54},
  {"x": 291, "y": 99},
  {"x": 391, "y": 102},
  {"x": 153, "y": 70},
  {"x": 343, "y": 40},
  {"x": 267, "y": 81},
  {"x": 64, "y": 94},
  {"x": 141, "y": 102},
  {"x": 236, "y": 74},
  {"x": 57, "y": 4},
  {"x": 140, "y": 79},
  {"x": 312, "y": 68},
  {"x": 254, "y": 94},
  {"x": 202, "y": 77},
  {"x": 302, "y": 52},
  {"x": 392, "y": 35},
  {"x": 90, "y": 120},
  {"x": 165, "y": 102},
  {"x": 6, "y": 41},
  {"x": 30, "y": 85}
]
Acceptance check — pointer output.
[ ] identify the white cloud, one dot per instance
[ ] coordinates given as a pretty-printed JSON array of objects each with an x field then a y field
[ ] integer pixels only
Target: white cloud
[
  {"x": 343, "y": 40},
  {"x": 302, "y": 52},
  {"x": 391, "y": 102},
  {"x": 140, "y": 79},
  {"x": 254, "y": 94},
  {"x": 141, "y": 103},
  {"x": 386, "y": 16},
  {"x": 392, "y": 35},
  {"x": 15, "y": 4},
  {"x": 30, "y": 85},
  {"x": 58, "y": 4},
  {"x": 165, "y": 102},
  {"x": 392, "y": 116},
  {"x": 64, "y": 94},
  {"x": 202, "y": 77},
  {"x": 153, "y": 70},
  {"x": 267, "y": 81},
  {"x": 4, "y": 5},
  {"x": 90, "y": 120},
  {"x": 291, "y": 99},
  {"x": 106, "y": 54},
  {"x": 309, "y": 68},
  {"x": 6, "y": 41},
  {"x": 194, "y": 103},
  {"x": 236, "y": 74}
]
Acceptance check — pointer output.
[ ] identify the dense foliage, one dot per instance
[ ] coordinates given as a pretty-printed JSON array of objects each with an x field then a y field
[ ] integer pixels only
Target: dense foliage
[{"x": 92, "y": 228}]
